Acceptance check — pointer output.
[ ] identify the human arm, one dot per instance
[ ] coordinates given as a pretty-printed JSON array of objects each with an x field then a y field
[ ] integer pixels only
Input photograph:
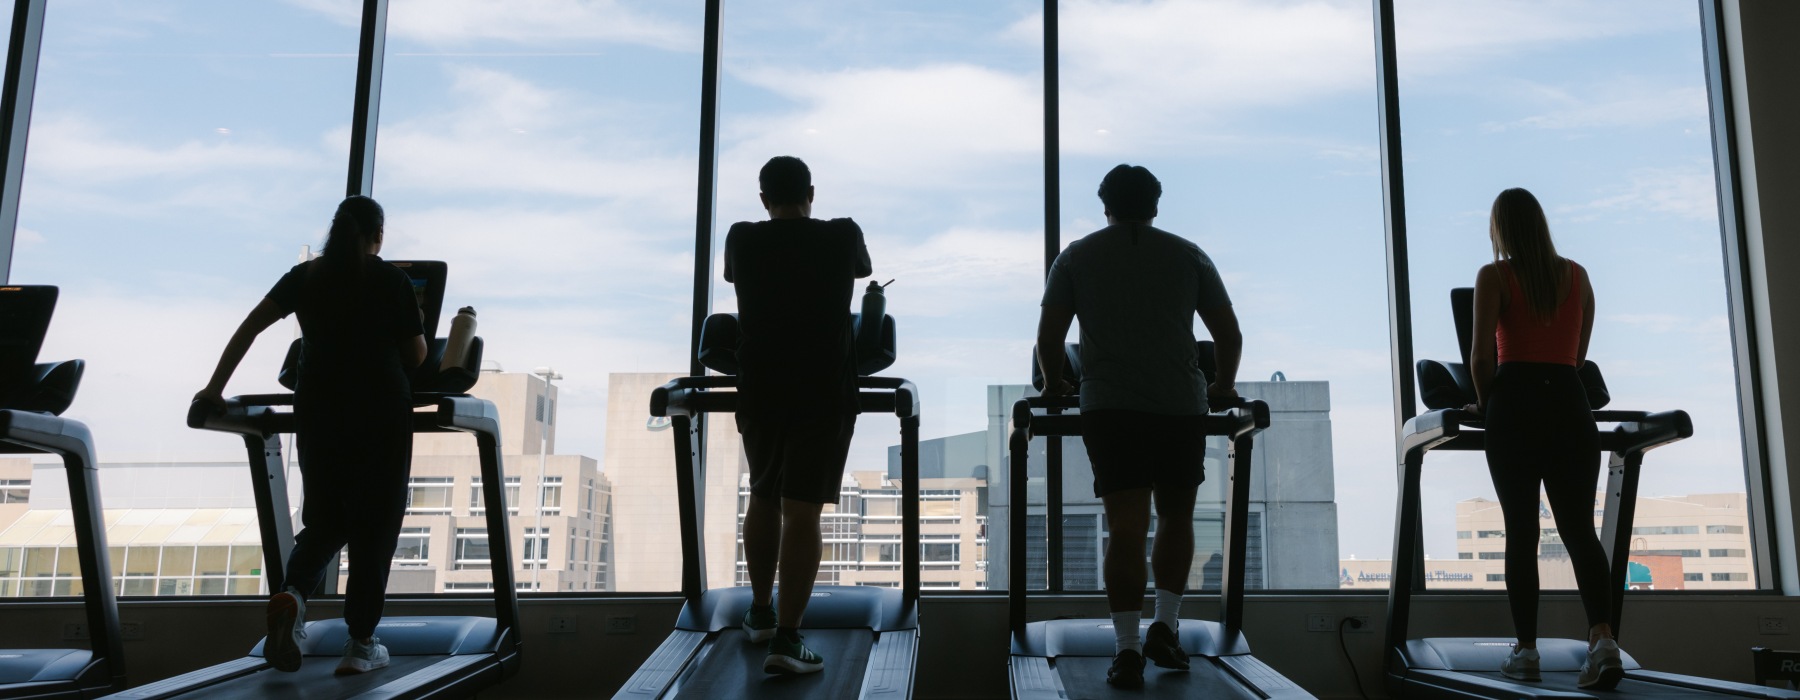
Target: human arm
[
  {"x": 1483, "y": 351},
  {"x": 266, "y": 313},
  {"x": 864, "y": 268},
  {"x": 731, "y": 254},
  {"x": 1053, "y": 326},
  {"x": 1228, "y": 348},
  {"x": 1587, "y": 318}
]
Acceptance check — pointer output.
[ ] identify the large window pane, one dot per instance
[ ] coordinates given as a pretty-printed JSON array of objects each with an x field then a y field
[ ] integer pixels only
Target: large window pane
[
  {"x": 180, "y": 156},
  {"x": 921, "y": 121},
  {"x": 1600, "y": 109},
  {"x": 548, "y": 155},
  {"x": 1256, "y": 119}
]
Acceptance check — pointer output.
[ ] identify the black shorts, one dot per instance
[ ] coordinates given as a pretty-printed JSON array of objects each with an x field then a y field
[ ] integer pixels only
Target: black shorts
[
  {"x": 1135, "y": 450},
  {"x": 800, "y": 459}
]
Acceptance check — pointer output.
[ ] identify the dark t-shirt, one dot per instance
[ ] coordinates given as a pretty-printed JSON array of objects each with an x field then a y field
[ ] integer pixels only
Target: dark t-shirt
[
  {"x": 794, "y": 281},
  {"x": 353, "y": 322}
]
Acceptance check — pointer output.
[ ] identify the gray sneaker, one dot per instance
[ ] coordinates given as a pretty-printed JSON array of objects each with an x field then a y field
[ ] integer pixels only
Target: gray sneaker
[
  {"x": 1521, "y": 665},
  {"x": 1602, "y": 670},
  {"x": 362, "y": 658},
  {"x": 286, "y": 615}
]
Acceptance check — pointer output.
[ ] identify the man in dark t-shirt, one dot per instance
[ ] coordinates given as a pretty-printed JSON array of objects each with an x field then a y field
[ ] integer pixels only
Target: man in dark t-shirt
[{"x": 796, "y": 394}]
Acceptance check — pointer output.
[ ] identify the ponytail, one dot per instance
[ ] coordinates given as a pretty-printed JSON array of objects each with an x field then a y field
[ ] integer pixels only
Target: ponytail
[{"x": 357, "y": 223}]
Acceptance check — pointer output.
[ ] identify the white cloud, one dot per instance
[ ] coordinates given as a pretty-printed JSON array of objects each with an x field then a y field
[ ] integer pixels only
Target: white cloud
[
  {"x": 77, "y": 148},
  {"x": 1685, "y": 192},
  {"x": 528, "y": 23},
  {"x": 1607, "y": 106}
]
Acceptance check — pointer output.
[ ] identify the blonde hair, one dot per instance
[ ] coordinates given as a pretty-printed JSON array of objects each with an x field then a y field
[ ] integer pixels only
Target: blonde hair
[{"x": 1521, "y": 236}]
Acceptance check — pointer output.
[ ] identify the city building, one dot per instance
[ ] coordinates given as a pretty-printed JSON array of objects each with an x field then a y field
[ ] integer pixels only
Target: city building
[
  {"x": 1292, "y": 538},
  {"x": 191, "y": 528},
  {"x": 1693, "y": 542}
]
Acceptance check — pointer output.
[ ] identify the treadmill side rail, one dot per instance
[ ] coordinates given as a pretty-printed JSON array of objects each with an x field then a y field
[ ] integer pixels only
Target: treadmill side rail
[
  {"x": 891, "y": 662},
  {"x": 188, "y": 682},
  {"x": 1710, "y": 685},
  {"x": 1262, "y": 678},
  {"x": 1430, "y": 685},
  {"x": 663, "y": 666},
  {"x": 1033, "y": 679}
]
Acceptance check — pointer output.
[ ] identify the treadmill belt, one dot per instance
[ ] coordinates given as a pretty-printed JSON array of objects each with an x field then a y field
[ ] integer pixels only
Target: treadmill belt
[
  {"x": 316, "y": 680},
  {"x": 1565, "y": 681},
  {"x": 1084, "y": 678},
  {"x": 733, "y": 667}
]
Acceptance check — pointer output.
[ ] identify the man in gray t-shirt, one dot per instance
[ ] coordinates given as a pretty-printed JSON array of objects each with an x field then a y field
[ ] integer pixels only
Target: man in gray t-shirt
[{"x": 1136, "y": 289}]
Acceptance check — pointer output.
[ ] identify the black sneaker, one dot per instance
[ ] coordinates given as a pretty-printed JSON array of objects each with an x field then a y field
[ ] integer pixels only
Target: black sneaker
[
  {"x": 1127, "y": 670},
  {"x": 1163, "y": 648},
  {"x": 790, "y": 656}
]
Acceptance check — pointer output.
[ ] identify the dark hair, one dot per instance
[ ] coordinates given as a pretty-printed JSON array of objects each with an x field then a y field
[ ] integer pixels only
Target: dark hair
[
  {"x": 1130, "y": 192},
  {"x": 785, "y": 180},
  {"x": 1521, "y": 236},
  {"x": 356, "y": 224}
]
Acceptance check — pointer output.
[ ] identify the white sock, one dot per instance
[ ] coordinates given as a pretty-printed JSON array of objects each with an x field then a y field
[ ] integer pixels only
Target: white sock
[
  {"x": 1125, "y": 630},
  {"x": 1168, "y": 609}
]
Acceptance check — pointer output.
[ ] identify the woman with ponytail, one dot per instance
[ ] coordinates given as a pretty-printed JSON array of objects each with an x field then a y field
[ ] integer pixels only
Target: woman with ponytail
[
  {"x": 362, "y": 338},
  {"x": 1534, "y": 313}
]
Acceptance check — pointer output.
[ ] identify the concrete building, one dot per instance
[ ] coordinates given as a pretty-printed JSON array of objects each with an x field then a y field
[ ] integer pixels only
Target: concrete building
[
  {"x": 1694, "y": 542},
  {"x": 190, "y": 528},
  {"x": 1292, "y": 542},
  {"x": 640, "y": 462}
]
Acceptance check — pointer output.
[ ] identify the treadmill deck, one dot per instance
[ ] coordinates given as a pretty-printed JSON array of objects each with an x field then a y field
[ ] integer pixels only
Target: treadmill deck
[{"x": 730, "y": 666}]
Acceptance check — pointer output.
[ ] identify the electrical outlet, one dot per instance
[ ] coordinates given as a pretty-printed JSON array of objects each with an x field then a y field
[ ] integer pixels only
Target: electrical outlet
[
  {"x": 562, "y": 625},
  {"x": 131, "y": 630},
  {"x": 1772, "y": 625},
  {"x": 1319, "y": 622},
  {"x": 1359, "y": 623},
  {"x": 621, "y": 624},
  {"x": 75, "y": 631}
]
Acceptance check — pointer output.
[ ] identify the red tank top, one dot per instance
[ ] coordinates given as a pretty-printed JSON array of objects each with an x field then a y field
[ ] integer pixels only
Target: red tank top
[{"x": 1521, "y": 337}]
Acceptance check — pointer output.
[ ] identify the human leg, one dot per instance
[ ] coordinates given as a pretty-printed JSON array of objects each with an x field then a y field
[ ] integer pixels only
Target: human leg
[
  {"x": 762, "y": 547},
  {"x": 379, "y": 510},
  {"x": 799, "y": 558},
  {"x": 762, "y": 524},
  {"x": 1128, "y": 525}
]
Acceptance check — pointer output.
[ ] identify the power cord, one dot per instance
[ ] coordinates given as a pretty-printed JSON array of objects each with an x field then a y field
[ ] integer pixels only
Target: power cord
[{"x": 1345, "y": 647}]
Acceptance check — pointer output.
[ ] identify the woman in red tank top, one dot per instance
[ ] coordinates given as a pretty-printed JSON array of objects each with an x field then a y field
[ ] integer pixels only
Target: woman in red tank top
[{"x": 1534, "y": 313}]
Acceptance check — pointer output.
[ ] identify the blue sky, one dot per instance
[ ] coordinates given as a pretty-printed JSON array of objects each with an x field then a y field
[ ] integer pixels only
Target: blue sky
[{"x": 182, "y": 152}]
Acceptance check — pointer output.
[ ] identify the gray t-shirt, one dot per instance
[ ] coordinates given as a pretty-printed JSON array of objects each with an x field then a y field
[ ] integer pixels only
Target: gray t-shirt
[{"x": 1135, "y": 293}]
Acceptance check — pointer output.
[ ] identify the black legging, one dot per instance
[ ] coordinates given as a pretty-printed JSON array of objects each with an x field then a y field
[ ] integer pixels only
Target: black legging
[{"x": 1541, "y": 431}]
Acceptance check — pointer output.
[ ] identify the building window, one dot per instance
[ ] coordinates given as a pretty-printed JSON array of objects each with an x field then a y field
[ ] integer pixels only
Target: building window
[
  {"x": 1724, "y": 529},
  {"x": 414, "y": 546},
  {"x": 1667, "y": 530},
  {"x": 1465, "y": 555},
  {"x": 939, "y": 553},
  {"x": 1693, "y": 577},
  {"x": 1735, "y": 553},
  {"x": 428, "y": 494},
  {"x": 1730, "y": 576},
  {"x": 1496, "y": 577},
  {"x": 1462, "y": 534},
  {"x": 478, "y": 501},
  {"x": 536, "y": 552},
  {"x": 1668, "y": 552},
  {"x": 472, "y": 548},
  {"x": 15, "y": 491},
  {"x": 550, "y": 494},
  {"x": 1490, "y": 534},
  {"x": 1493, "y": 555}
]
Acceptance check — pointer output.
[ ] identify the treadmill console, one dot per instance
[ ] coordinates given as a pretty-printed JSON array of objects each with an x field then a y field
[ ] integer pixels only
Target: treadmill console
[
  {"x": 428, "y": 279},
  {"x": 25, "y": 384},
  {"x": 721, "y": 335}
]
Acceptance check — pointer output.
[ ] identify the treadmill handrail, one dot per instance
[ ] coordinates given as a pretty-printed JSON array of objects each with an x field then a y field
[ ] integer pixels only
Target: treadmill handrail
[
  {"x": 71, "y": 440},
  {"x": 686, "y": 399},
  {"x": 1239, "y": 424},
  {"x": 1634, "y": 434},
  {"x": 255, "y": 418}
]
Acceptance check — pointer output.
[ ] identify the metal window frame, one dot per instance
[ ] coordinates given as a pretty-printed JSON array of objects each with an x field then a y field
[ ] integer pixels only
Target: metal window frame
[{"x": 16, "y": 94}]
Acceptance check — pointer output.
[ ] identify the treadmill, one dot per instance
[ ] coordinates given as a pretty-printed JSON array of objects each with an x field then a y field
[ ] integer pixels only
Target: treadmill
[
  {"x": 432, "y": 657},
  {"x": 1067, "y": 659},
  {"x": 868, "y": 636},
  {"x": 1469, "y": 667},
  {"x": 33, "y": 396}
]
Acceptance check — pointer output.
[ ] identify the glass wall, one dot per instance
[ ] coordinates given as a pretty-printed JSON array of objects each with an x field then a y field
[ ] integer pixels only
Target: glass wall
[
  {"x": 181, "y": 155},
  {"x": 549, "y": 156},
  {"x": 1600, "y": 110},
  {"x": 1257, "y": 120},
  {"x": 182, "y": 158},
  {"x": 922, "y": 121}
]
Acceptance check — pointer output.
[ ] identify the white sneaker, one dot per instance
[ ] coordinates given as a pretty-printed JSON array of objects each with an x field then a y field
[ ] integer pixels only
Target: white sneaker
[
  {"x": 362, "y": 658},
  {"x": 287, "y": 626},
  {"x": 1521, "y": 665},
  {"x": 1602, "y": 670}
]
